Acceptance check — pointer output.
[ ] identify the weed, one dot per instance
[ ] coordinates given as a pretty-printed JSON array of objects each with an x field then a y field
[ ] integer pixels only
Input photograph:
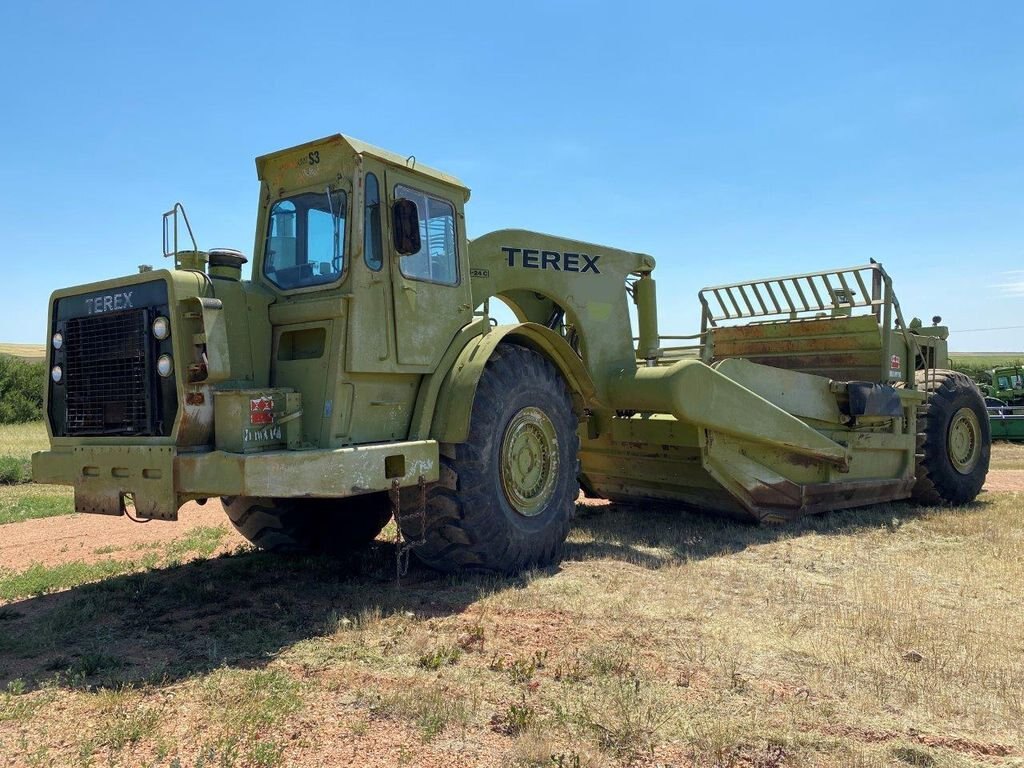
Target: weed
[
  {"x": 571, "y": 670},
  {"x": 614, "y": 662},
  {"x": 520, "y": 669},
  {"x": 625, "y": 714},
  {"x": 125, "y": 720},
  {"x": 442, "y": 656},
  {"x": 520, "y": 717},
  {"x": 91, "y": 664},
  {"x": 200, "y": 542},
  {"x": 473, "y": 640},
  {"x": 21, "y": 708},
  {"x": 566, "y": 760},
  {"x": 916, "y": 756},
  {"x": 266, "y": 754},
  {"x": 250, "y": 701},
  {"x": 16, "y": 687},
  {"x": 431, "y": 708}
]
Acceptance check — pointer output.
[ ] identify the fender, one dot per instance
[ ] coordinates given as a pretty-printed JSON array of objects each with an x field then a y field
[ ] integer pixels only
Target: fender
[{"x": 451, "y": 414}]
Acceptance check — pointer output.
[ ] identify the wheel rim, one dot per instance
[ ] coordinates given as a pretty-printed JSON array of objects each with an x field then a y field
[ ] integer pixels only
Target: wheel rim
[
  {"x": 964, "y": 441},
  {"x": 529, "y": 461}
]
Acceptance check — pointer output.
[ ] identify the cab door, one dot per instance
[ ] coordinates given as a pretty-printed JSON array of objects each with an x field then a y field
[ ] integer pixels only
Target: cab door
[{"x": 431, "y": 293}]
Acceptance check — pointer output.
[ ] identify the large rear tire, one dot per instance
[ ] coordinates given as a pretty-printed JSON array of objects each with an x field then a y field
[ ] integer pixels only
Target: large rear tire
[
  {"x": 954, "y": 439},
  {"x": 507, "y": 495},
  {"x": 324, "y": 526}
]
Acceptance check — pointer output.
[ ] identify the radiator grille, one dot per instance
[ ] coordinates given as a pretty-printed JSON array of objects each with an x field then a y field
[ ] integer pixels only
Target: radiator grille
[{"x": 107, "y": 377}]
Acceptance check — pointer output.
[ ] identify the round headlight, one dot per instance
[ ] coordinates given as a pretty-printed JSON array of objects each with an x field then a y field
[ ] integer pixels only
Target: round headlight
[
  {"x": 164, "y": 365},
  {"x": 56, "y": 373},
  {"x": 58, "y": 340},
  {"x": 161, "y": 328}
]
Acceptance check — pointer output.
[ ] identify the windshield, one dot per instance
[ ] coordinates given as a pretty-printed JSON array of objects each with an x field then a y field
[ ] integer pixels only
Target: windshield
[{"x": 306, "y": 239}]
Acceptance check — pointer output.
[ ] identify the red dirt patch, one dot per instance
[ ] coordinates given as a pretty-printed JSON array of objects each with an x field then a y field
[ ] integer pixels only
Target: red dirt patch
[
  {"x": 55, "y": 540},
  {"x": 1004, "y": 480}
]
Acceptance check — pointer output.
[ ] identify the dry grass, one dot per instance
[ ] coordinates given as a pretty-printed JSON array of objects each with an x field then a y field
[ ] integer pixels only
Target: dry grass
[
  {"x": 891, "y": 636},
  {"x": 32, "y": 353},
  {"x": 1007, "y": 455},
  {"x": 22, "y": 440},
  {"x": 23, "y": 501}
]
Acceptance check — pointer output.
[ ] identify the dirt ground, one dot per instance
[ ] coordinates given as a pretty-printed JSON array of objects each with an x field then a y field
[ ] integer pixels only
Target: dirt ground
[
  {"x": 56, "y": 540},
  {"x": 662, "y": 639}
]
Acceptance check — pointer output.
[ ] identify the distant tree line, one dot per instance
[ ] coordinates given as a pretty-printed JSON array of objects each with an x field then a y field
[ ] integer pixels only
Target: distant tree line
[
  {"x": 980, "y": 371},
  {"x": 21, "y": 390}
]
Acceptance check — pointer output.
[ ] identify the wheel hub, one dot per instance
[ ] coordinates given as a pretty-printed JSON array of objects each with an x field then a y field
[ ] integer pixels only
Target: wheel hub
[
  {"x": 964, "y": 440},
  {"x": 529, "y": 461}
]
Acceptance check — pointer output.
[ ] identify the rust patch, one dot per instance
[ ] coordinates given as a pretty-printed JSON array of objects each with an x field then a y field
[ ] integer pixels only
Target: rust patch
[{"x": 105, "y": 502}]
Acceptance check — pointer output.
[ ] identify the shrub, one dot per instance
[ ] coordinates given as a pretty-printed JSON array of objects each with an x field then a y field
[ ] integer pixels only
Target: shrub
[
  {"x": 21, "y": 390},
  {"x": 14, "y": 470}
]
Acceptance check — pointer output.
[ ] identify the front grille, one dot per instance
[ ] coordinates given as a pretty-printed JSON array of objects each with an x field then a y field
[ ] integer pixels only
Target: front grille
[{"x": 107, "y": 378}]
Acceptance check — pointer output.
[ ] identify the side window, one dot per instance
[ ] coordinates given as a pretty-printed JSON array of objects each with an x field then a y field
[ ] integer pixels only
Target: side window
[
  {"x": 373, "y": 250},
  {"x": 437, "y": 261}
]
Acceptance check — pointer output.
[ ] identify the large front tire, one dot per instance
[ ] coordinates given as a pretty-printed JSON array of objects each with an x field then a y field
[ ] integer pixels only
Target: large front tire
[
  {"x": 954, "y": 439},
  {"x": 320, "y": 526},
  {"x": 507, "y": 495}
]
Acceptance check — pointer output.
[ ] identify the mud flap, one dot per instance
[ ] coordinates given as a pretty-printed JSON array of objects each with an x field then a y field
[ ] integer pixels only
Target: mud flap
[{"x": 110, "y": 478}]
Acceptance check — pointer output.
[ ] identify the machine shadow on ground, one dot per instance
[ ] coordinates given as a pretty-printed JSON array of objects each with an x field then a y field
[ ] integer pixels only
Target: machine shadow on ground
[
  {"x": 163, "y": 625},
  {"x": 653, "y": 536},
  {"x": 241, "y": 609}
]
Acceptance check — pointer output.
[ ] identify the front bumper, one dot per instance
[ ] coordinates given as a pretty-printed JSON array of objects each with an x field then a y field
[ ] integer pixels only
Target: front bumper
[{"x": 157, "y": 479}]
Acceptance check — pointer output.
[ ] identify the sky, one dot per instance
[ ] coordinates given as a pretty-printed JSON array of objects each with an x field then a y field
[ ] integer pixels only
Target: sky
[{"x": 730, "y": 140}]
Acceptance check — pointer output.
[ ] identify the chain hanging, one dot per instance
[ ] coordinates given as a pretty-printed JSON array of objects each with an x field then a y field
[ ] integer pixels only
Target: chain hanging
[{"x": 403, "y": 546}]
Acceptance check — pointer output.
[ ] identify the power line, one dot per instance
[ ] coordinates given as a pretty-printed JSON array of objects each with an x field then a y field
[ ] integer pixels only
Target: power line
[{"x": 979, "y": 330}]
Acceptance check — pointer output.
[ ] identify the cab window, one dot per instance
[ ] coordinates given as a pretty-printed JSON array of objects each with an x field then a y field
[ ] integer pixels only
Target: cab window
[
  {"x": 437, "y": 260},
  {"x": 373, "y": 249},
  {"x": 306, "y": 239}
]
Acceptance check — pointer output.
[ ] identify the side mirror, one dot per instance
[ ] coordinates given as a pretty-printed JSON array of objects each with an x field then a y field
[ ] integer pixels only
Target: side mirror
[{"x": 405, "y": 221}]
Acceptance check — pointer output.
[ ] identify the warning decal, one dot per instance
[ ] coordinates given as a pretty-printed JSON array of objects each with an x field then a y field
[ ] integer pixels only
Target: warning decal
[{"x": 261, "y": 410}]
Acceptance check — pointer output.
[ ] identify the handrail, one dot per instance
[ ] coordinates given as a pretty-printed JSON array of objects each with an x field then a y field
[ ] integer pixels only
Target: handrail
[
  {"x": 836, "y": 289},
  {"x": 844, "y": 288},
  {"x": 174, "y": 213}
]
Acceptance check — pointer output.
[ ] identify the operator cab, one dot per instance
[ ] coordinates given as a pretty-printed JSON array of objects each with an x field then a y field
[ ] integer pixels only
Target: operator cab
[{"x": 365, "y": 253}]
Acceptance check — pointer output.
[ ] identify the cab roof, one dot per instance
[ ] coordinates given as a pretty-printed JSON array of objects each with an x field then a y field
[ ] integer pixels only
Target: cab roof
[{"x": 362, "y": 148}]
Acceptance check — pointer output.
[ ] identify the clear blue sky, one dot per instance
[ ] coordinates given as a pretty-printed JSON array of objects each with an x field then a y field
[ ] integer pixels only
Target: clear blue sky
[{"x": 729, "y": 140}]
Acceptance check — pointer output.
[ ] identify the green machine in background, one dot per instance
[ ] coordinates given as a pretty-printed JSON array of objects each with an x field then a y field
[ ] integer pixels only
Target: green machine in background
[{"x": 359, "y": 375}]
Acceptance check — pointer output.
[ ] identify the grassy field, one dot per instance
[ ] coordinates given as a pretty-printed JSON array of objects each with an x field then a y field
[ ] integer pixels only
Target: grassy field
[
  {"x": 19, "y": 499},
  {"x": 986, "y": 359},
  {"x": 891, "y": 636},
  {"x": 30, "y": 352}
]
